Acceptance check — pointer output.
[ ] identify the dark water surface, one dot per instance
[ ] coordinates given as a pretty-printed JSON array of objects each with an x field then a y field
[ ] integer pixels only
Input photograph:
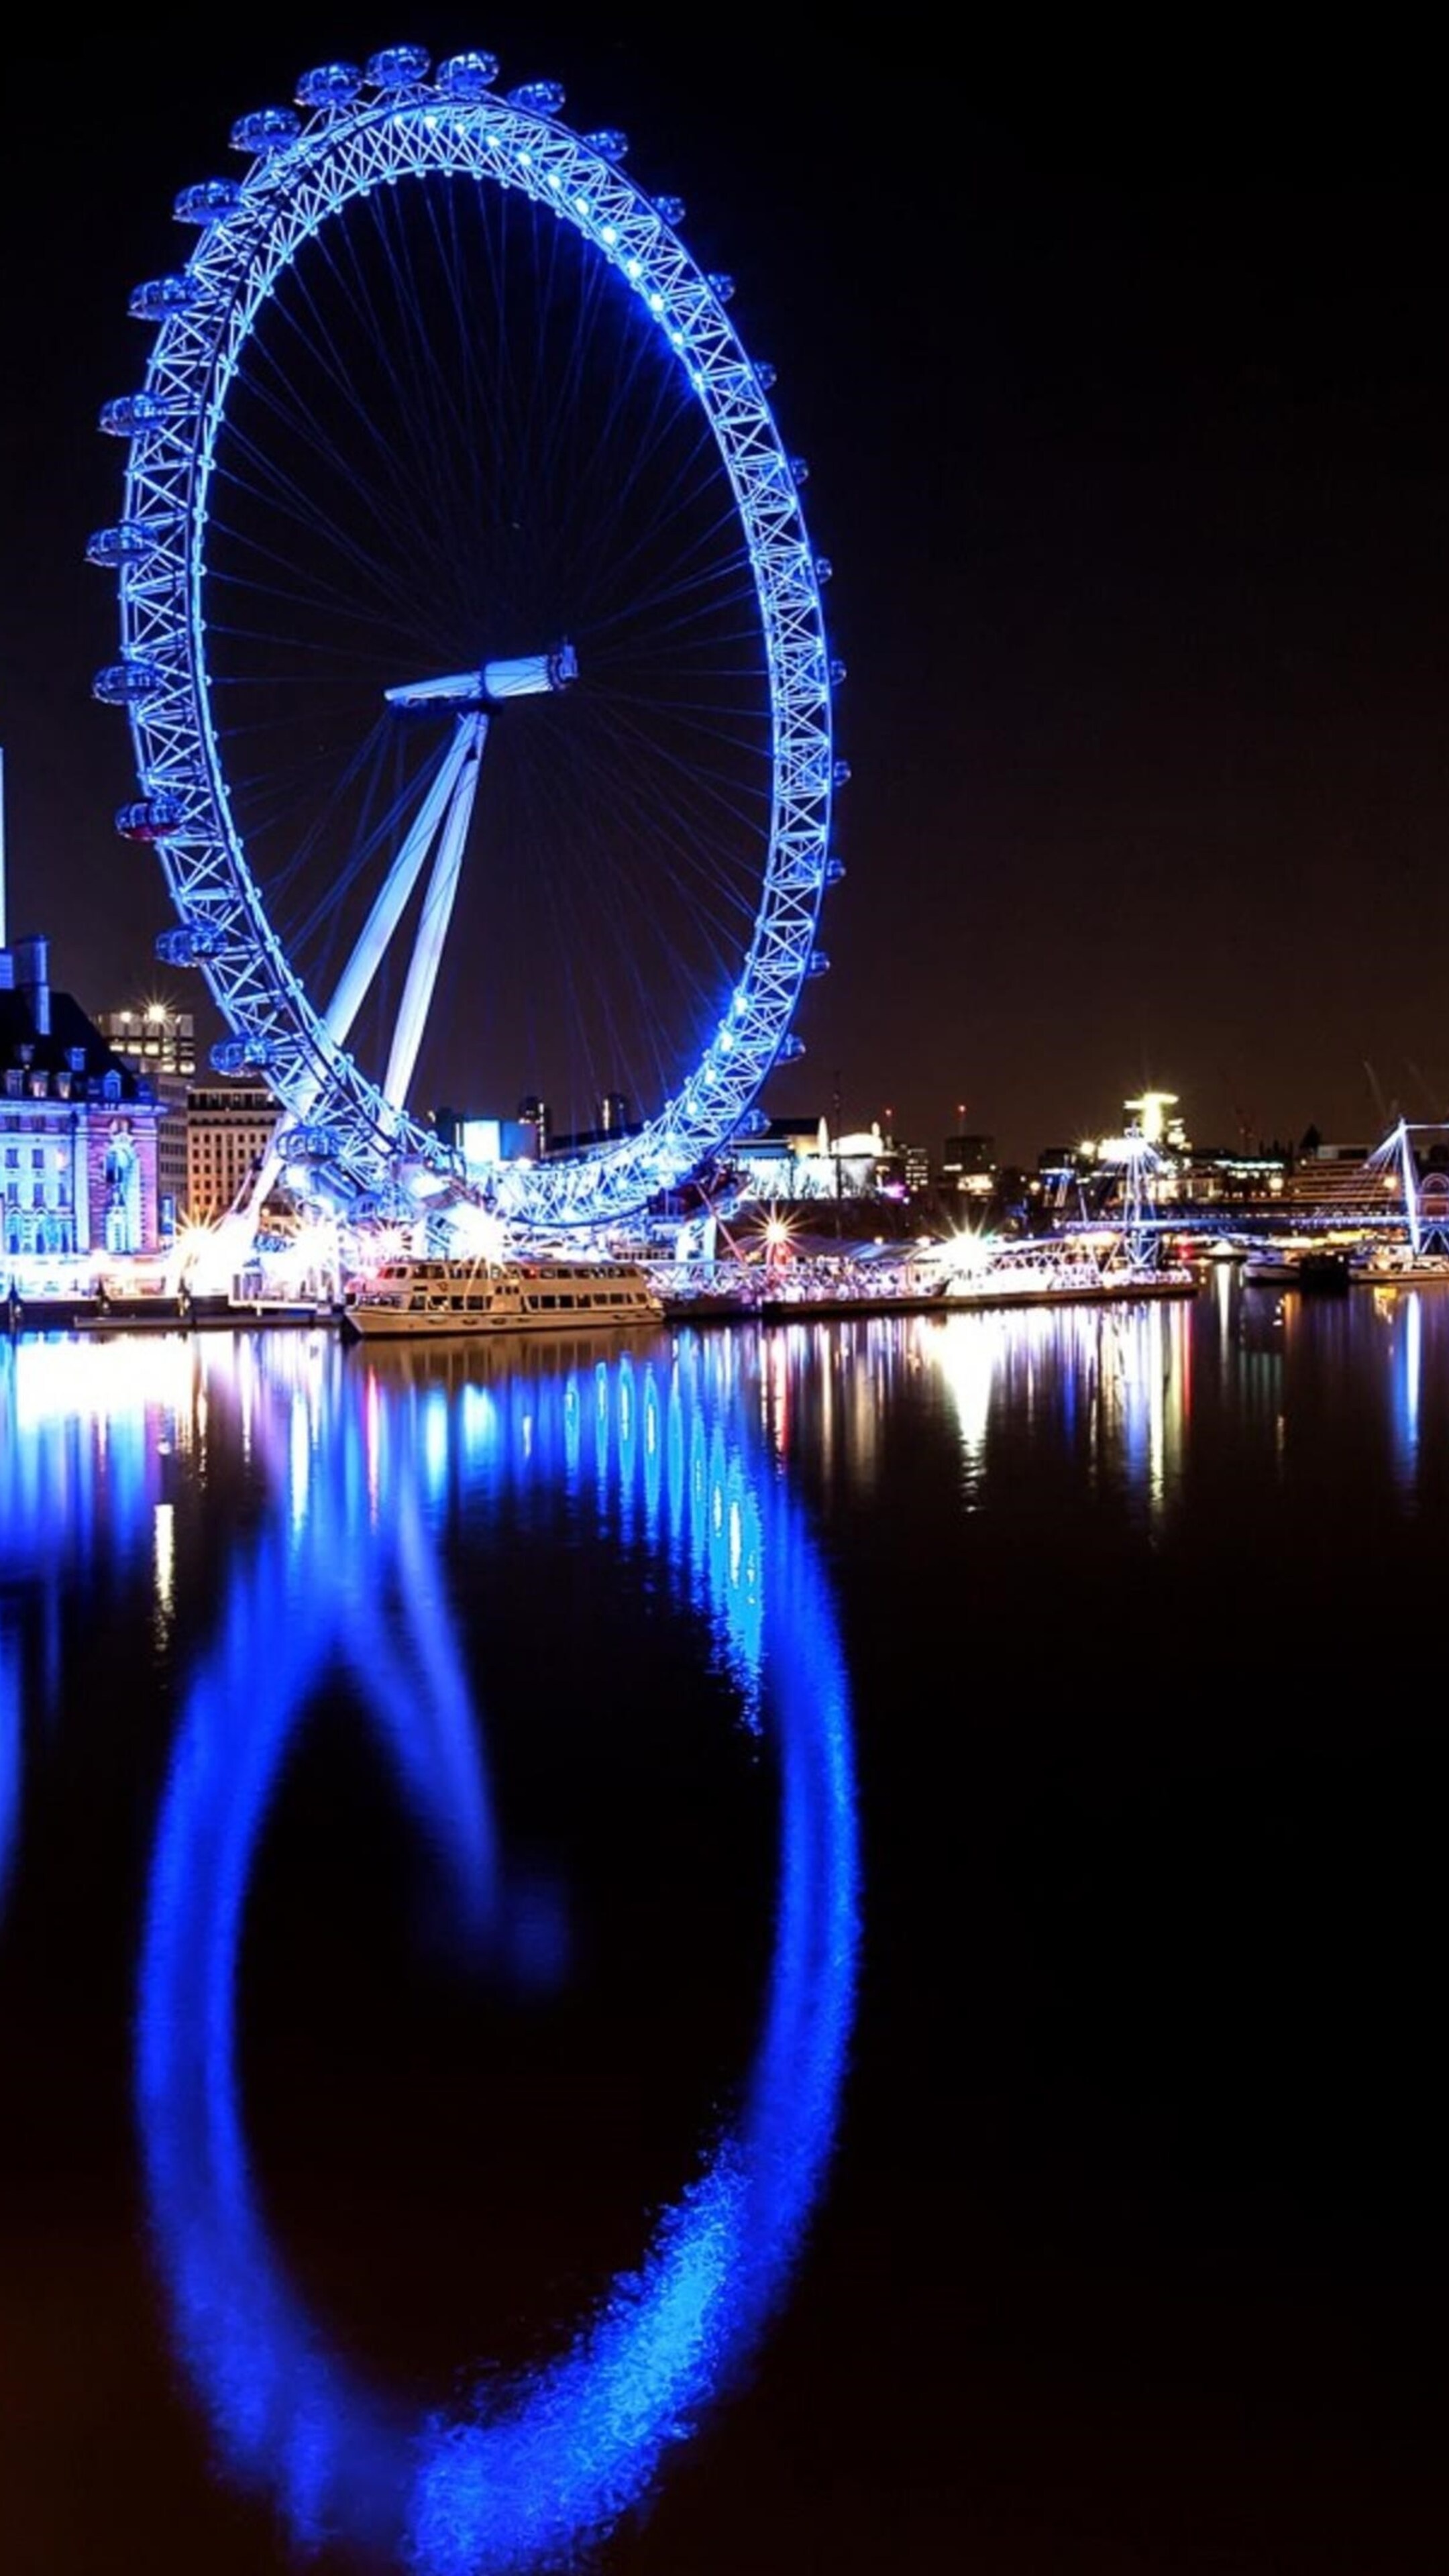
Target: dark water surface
[{"x": 775, "y": 1953}]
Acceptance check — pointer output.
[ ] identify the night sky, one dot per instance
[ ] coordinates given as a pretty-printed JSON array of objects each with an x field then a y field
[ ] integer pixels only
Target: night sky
[{"x": 1122, "y": 378}]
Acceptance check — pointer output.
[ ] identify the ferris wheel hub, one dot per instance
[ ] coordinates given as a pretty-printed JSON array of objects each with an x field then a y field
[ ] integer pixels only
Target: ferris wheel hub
[{"x": 525, "y": 675}]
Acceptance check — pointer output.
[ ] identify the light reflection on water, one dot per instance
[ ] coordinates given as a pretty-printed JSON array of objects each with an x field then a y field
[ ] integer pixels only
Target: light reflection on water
[
  {"x": 687, "y": 1464},
  {"x": 344, "y": 1566}
]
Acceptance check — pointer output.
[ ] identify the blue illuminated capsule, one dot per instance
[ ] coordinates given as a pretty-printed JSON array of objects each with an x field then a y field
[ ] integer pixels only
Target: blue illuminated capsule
[
  {"x": 126, "y": 684},
  {"x": 397, "y": 67},
  {"x": 840, "y": 774},
  {"x": 150, "y": 818},
  {"x": 538, "y": 98},
  {"x": 670, "y": 210},
  {"x": 309, "y": 1144},
  {"x": 331, "y": 85},
  {"x": 129, "y": 413},
  {"x": 837, "y": 675},
  {"x": 800, "y": 468},
  {"x": 834, "y": 871},
  {"x": 608, "y": 142},
  {"x": 188, "y": 943},
  {"x": 131, "y": 542},
  {"x": 819, "y": 963},
  {"x": 161, "y": 296},
  {"x": 721, "y": 287},
  {"x": 242, "y": 1055},
  {"x": 765, "y": 374},
  {"x": 467, "y": 75},
  {"x": 267, "y": 129},
  {"x": 208, "y": 201},
  {"x": 790, "y": 1048}
]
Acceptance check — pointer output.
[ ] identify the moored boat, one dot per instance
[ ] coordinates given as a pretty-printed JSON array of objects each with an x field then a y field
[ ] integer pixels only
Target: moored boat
[
  {"x": 1273, "y": 1267},
  {"x": 429, "y": 1299},
  {"x": 1398, "y": 1265}
]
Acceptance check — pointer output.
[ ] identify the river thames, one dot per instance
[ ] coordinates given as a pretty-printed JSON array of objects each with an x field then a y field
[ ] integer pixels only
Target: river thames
[{"x": 786, "y": 1950}]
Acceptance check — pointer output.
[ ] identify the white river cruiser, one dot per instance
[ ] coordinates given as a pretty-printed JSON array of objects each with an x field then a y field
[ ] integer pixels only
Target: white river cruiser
[{"x": 430, "y": 1299}]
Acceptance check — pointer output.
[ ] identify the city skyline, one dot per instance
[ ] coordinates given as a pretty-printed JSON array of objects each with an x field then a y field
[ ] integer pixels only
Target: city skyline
[{"x": 1125, "y": 437}]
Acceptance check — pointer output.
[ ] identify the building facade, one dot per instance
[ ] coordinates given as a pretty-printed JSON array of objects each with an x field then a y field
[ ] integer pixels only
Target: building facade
[
  {"x": 229, "y": 1131},
  {"x": 153, "y": 1039},
  {"x": 78, "y": 1128}
]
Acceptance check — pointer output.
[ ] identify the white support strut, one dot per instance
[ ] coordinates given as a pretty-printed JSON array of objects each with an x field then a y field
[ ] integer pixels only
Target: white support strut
[{"x": 437, "y": 912}]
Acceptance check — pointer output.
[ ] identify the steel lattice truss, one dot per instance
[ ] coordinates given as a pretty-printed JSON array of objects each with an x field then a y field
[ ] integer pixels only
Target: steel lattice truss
[{"x": 357, "y": 133}]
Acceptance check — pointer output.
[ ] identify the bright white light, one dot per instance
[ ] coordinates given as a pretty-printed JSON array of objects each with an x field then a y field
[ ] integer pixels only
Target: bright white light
[
  {"x": 164, "y": 1553},
  {"x": 966, "y": 1255},
  {"x": 479, "y": 1235}
]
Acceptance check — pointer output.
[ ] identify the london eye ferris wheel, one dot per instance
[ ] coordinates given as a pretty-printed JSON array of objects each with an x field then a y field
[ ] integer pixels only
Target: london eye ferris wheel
[{"x": 472, "y": 647}]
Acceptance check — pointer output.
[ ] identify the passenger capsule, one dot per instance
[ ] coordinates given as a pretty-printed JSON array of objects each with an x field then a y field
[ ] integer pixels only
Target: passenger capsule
[
  {"x": 397, "y": 67},
  {"x": 790, "y": 1049},
  {"x": 608, "y": 142},
  {"x": 833, "y": 872},
  {"x": 250, "y": 1054},
  {"x": 722, "y": 288},
  {"x": 800, "y": 468},
  {"x": 132, "y": 412},
  {"x": 208, "y": 201},
  {"x": 823, "y": 568},
  {"x": 309, "y": 1144},
  {"x": 840, "y": 774},
  {"x": 189, "y": 942},
  {"x": 131, "y": 542},
  {"x": 537, "y": 98},
  {"x": 818, "y": 963},
  {"x": 670, "y": 210},
  {"x": 837, "y": 675},
  {"x": 332, "y": 85},
  {"x": 267, "y": 129},
  {"x": 162, "y": 296},
  {"x": 467, "y": 75},
  {"x": 127, "y": 684},
  {"x": 150, "y": 818},
  {"x": 765, "y": 374}
]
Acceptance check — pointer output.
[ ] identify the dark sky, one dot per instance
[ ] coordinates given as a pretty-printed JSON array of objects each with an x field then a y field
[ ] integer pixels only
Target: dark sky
[{"x": 1122, "y": 377}]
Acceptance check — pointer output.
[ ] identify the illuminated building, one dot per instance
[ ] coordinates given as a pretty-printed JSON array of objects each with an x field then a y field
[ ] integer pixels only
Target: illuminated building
[
  {"x": 968, "y": 1166},
  {"x": 77, "y": 1127},
  {"x": 152, "y": 1038},
  {"x": 800, "y": 1159},
  {"x": 229, "y": 1129},
  {"x": 1151, "y": 1118}
]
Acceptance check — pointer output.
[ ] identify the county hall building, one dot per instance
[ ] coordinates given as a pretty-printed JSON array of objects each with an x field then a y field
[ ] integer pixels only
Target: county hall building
[{"x": 77, "y": 1126}]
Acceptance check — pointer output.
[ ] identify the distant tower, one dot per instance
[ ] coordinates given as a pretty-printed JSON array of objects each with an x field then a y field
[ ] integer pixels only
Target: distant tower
[{"x": 533, "y": 1113}]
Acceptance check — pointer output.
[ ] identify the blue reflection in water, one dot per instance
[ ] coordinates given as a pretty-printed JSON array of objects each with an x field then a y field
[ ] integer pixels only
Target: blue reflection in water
[
  {"x": 554, "y": 2457},
  {"x": 80, "y": 1483},
  {"x": 9, "y": 1755},
  {"x": 1407, "y": 1346}
]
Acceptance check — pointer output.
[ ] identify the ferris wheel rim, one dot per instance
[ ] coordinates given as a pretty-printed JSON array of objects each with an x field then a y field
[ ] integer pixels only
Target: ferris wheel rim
[{"x": 250, "y": 233}]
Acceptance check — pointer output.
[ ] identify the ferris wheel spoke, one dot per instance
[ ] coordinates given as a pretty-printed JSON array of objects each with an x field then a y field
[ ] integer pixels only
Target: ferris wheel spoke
[
  {"x": 436, "y": 914},
  {"x": 391, "y": 903}
]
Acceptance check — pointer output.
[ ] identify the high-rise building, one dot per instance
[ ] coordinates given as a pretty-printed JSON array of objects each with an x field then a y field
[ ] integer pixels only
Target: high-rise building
[
  {"x": 152, "y": 1038},
  {"x": 229, "y": 1130},
  {"x": 968, "y": 1166}
]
